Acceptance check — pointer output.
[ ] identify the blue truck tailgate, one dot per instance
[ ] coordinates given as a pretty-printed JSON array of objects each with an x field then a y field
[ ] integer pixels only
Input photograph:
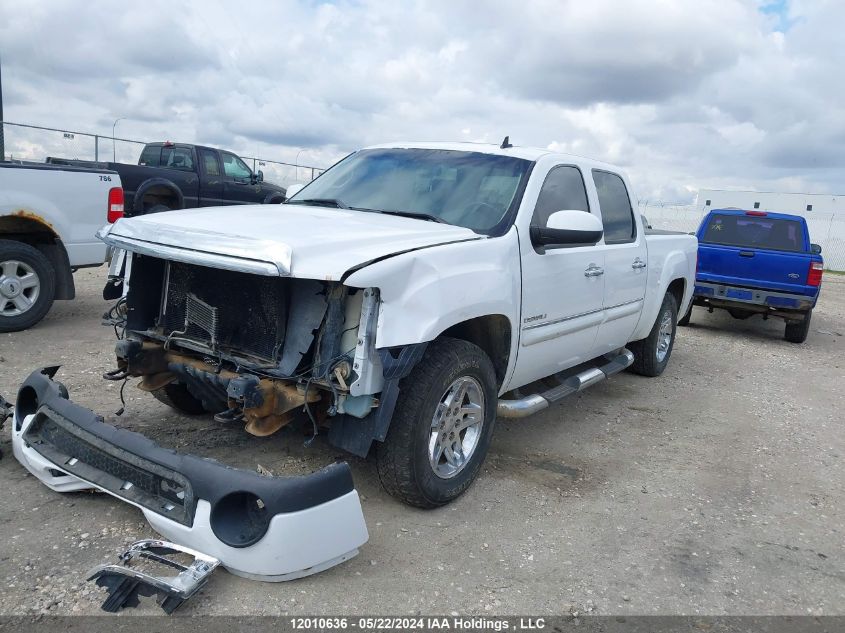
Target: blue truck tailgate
[{"x": 756, "y": 250}]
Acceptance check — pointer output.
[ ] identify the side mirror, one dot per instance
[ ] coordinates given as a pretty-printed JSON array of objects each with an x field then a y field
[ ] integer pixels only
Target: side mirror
[
  {"x": 570, "y": 228},
  {"x": 259, "y": 176},
  {"x": 815, "y": 249},
  {"x": 646, "y": 223},
  {"x": 294, "y": 189}
]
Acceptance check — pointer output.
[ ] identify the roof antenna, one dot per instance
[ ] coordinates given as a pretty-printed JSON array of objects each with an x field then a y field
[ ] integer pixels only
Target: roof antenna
[{"x": 506, "y": 143}]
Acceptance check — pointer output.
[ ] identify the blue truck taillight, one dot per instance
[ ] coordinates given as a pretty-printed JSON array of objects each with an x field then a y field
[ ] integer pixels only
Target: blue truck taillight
[{"x": 814, "y": 274}]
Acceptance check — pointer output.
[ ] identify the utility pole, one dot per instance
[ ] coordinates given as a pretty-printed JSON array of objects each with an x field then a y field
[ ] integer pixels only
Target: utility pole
[{"x": 2, "y": 127}]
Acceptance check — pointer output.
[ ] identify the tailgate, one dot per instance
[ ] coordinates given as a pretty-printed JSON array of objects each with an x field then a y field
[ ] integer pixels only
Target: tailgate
[
  {"x": 756, "y": 250},
  {"x": 755, "y": 268}
]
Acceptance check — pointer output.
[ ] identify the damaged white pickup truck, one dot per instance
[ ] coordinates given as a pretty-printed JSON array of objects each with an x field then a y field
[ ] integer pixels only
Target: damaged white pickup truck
[{"x": 400, "y": 302}]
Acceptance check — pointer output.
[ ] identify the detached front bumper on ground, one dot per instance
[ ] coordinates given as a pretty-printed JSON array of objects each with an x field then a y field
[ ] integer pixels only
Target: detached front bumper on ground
[{"x": 266, "y": 528}]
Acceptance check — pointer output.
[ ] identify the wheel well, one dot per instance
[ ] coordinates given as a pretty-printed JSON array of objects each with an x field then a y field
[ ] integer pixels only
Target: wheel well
[
  {"x": 492, "y": 333},
  {"x": 33, "y": 230},
  {"x": 676, "y": 288},
  {"x": 27, "y": 227},
  {"x": 160, "y": 194}
]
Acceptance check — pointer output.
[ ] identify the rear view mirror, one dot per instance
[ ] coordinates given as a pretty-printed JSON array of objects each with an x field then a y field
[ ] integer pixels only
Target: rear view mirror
[
  {"x": 815, "y": 249},
  {"x": 569, "y": 228}
]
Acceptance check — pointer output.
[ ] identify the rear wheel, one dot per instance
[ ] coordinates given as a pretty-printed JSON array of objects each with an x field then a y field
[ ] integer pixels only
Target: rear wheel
[
  {"x": 651, "y": 355},
  {"x": 797, "y": 332},
  {"x": 27, "y": 286},
  {"x": 441, "y": 426}
]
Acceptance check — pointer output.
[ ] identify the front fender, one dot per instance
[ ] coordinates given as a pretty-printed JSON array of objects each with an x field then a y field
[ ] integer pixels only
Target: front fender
[{"x": 425, "y": 292}]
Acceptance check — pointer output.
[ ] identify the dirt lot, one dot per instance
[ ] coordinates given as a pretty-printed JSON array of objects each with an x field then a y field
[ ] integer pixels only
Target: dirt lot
[{"x": 715, "y": 489}]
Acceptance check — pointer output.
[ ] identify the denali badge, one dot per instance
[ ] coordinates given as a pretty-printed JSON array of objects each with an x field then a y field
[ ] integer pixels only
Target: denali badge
[{"x": 536, "y": 317}]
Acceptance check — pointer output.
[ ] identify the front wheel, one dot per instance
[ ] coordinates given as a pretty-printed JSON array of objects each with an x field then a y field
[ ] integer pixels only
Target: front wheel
[
  {"x": 441, "y": 427},
  {"x": 797, "y": 332},
  {"x": 651, "y": 355}
]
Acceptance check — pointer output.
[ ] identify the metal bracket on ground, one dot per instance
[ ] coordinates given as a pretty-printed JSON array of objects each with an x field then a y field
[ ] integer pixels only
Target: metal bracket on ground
[{"x": 126, "y": 581}]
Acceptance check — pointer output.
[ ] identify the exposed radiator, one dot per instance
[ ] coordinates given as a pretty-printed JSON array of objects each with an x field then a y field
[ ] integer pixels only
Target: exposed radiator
[{"x": 225, "y": 310}]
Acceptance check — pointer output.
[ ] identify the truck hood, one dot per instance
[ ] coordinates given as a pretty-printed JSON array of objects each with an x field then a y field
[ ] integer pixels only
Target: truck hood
[{"x": 288, "y": 240}]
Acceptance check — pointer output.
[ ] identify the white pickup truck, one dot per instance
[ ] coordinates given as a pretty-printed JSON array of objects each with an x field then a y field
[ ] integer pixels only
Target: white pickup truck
[
  {"x": 400, "y": 301},
  {"x": 49, "y": 217}
]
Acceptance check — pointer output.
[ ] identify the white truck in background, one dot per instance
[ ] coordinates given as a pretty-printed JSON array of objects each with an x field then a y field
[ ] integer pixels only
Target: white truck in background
[{"x": 49, "y": 215}]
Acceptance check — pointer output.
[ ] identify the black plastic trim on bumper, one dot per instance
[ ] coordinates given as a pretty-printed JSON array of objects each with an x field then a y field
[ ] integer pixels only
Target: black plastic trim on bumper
[{"x": 162, "y": 480}]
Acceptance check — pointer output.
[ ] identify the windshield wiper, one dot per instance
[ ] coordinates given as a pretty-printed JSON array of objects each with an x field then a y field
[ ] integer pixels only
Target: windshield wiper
[
  {"x": 321, "y": 202},
  {"x": 407, "y": 214}
]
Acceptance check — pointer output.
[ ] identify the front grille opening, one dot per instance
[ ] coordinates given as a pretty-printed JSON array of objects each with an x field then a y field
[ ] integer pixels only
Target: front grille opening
[
  {"x": 224, "y": 309},
  {"x": 129, "y": 476}
]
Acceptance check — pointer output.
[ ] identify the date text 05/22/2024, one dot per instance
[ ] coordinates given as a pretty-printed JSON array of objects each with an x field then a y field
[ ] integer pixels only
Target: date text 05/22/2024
[{"x": 456, "y": 623}]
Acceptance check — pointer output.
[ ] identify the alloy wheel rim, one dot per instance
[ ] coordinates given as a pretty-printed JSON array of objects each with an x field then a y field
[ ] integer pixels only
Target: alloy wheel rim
[
  {"x": 456, "y": 427},
  {"x": 664, "y": 336},
  {"x": 19, "y": 287}
]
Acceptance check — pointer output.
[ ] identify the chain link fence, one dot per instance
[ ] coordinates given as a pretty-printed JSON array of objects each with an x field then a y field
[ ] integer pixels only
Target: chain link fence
[
  {"x": 36, "y": 143},
  {"x": 826, "y": 229}
]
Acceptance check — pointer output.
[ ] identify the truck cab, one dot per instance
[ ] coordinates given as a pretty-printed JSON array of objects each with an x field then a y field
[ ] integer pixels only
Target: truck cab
[
  {"x": 204, "y": 176},
  {"x": 401, "y": 302}
]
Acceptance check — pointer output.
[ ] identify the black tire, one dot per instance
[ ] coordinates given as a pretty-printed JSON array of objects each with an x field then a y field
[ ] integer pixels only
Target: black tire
[
  {"x": 157, "y": 208},
  {"x": 46, "y": 277},
  {"x": 403, "y": 461},
  {"x": 177, "y": 396},
  {"x": 646, "y": 362},
  {"x": 684, "y": 320},
  {"x": 797, "y": 332}
]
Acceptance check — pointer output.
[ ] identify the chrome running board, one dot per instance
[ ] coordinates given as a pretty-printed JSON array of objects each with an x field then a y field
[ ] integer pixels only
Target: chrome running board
[{"x": 523, "y": 407}]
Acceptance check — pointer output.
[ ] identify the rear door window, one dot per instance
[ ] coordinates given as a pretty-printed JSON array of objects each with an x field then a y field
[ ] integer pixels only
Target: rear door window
[
  {"x": 616, "y": 213},
  {"x": 209, "y": 163},
  {"x": 748, "y": 231}
]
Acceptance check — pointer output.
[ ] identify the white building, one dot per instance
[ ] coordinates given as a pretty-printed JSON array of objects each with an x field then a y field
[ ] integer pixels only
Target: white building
[
  {"x": 805, "y": 204},
  {"x": 825, "y": 215}
]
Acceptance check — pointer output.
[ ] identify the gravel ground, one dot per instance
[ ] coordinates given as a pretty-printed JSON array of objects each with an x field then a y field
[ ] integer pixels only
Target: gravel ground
[{"x": 715, "y": 489}]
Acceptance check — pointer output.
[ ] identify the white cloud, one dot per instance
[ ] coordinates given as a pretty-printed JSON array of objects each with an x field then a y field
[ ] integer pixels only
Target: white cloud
[{"x": 683, "y": 94}]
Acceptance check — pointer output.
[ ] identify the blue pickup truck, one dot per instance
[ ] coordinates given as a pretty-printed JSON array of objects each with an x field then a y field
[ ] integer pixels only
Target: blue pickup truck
[{"x": 754, "y": 262}]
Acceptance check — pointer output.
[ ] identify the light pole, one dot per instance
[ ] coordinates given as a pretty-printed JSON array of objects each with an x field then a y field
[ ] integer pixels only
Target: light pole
[
  {"x": 296, "y": 164},
  {"x": 2, "y": 138},
  {"x": 113, "y": 148}
]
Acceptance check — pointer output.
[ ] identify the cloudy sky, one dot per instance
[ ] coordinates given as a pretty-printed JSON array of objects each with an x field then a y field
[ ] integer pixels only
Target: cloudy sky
[{"x": 682, "y": 93}]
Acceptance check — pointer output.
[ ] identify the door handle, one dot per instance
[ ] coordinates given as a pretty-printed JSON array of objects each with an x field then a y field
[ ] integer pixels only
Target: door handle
[
  {"x": 593, "y": 271},
  {"x": 746, "y": 253},
  {"x": 638, "y": 263}
]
